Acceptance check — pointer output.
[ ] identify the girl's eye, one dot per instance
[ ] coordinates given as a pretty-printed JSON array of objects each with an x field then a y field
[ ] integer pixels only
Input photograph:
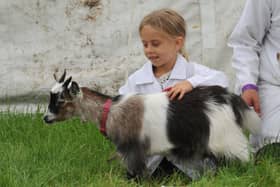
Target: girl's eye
[
  {"x": 152, "y": 44},
  {"x": 155, "y": 44}
]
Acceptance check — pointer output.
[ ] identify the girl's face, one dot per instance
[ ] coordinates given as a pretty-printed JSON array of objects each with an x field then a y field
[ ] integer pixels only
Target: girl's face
[{"x": 160, "y": 48}]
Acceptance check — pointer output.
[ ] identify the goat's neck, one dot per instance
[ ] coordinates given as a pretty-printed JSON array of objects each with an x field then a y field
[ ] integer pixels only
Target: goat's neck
[{"x": 90, "y": 105}]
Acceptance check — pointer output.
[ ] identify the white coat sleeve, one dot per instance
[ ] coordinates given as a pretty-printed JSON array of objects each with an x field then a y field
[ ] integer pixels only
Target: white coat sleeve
[
  {"x": 204, "y": 76},
  {"x": 246, "y": 41}
]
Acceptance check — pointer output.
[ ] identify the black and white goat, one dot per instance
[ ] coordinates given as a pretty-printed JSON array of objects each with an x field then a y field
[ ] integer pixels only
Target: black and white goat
[{"x": 208, "y": 120}]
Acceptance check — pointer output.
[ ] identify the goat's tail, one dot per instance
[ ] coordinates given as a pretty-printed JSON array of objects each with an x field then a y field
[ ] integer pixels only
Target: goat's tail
[{"x": 252, "y": 122}]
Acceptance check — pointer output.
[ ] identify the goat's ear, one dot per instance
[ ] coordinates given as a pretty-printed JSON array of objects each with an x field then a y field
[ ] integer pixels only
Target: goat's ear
[
  {"x": 66, "y": 83},
  {"x": 74, "y": 89},
  {"x": 62, "y": 78}
]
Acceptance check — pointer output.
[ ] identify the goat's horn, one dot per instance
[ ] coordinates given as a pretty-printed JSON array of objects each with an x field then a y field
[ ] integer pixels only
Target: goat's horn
[
  {"x": 65, "y": 85},
  {"x": 55, "y": 77},
  {"x": 62, "y": 77}
]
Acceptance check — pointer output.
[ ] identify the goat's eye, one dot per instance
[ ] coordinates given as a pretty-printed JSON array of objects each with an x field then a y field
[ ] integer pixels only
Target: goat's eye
[
  {"x": 62, "y": 96},
  {"x": 60, "y": 101}
]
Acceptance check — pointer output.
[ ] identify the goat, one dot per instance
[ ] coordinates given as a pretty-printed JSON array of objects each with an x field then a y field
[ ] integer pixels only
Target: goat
[{"x": 208, "y": 120}]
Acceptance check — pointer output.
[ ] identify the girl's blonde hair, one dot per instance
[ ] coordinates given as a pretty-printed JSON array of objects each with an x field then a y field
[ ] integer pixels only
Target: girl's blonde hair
[{"x": 168, "y": 21}]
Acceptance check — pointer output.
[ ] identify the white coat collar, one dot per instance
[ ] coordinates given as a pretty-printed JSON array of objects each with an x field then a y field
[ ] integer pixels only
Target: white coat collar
[{"x": 178, "y": 72}]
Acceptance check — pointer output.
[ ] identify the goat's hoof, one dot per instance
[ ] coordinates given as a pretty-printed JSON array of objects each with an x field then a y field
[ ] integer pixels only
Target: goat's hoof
[
  {"x": 133, "y": 177},
  {"x": 130, "y": 176}
]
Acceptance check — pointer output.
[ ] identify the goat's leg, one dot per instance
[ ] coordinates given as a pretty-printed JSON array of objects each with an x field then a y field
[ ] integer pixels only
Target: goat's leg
[{"x": 134, "y": 159}]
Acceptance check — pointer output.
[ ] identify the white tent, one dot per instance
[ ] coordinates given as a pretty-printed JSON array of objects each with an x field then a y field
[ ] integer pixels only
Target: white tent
[{"x": 97, "y": 41}]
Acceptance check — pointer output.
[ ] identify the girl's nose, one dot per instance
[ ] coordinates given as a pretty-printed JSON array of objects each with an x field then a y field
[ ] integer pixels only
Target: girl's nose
[{"x": 148, "y": 49}]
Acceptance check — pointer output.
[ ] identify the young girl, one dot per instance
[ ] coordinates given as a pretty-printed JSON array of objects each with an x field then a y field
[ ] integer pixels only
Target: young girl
[{"x": 163, "y": 34}]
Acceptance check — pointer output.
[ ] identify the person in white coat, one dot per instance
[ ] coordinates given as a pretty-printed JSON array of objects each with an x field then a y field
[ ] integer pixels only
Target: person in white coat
[
  {"x": 163, "y": 35},
  {"x": 256, "y": 46}
]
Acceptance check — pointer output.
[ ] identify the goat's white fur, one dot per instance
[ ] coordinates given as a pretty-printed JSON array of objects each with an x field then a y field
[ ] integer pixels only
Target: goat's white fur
[
  {"x": 155, "y": 122},
  {"x": 226, "y": 137},
  {"x": 57, "y": 88}
]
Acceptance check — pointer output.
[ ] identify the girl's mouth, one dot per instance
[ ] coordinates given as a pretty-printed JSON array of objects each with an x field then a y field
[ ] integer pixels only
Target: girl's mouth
[{"x": 154, "y": 58}]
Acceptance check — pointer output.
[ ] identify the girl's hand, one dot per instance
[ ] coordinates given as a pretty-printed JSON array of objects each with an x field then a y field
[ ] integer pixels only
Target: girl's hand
[
  {"x": 251, "y": 97},
  {"x": 179, "y": 90}
]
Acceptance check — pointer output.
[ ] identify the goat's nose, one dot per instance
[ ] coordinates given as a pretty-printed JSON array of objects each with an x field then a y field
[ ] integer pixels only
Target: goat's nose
[{"x": 46, "y": 119}]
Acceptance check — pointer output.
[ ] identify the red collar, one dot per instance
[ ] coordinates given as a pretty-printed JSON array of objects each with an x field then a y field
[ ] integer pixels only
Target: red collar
[{"x": 106, "y": 109}]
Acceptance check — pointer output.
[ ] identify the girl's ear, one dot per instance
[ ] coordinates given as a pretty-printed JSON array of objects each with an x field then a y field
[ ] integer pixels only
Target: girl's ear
[{"x": 180, "y": 41}]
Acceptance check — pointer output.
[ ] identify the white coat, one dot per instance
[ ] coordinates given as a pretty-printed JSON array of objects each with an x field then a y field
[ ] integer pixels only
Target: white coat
[
  {"x": 256, "y": 42},
  {"x": 144, "y": 81}
]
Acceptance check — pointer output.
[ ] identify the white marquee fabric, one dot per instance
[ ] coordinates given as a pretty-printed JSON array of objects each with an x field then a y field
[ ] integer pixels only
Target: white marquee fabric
[{"x": 99, "y": 46}]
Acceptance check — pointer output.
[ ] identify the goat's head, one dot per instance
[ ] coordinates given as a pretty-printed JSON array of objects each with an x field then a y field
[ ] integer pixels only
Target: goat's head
[{"x": 62, "y": 99}]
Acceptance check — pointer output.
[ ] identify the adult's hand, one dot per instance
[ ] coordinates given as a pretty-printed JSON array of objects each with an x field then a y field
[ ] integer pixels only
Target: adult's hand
[{"x": 251, "y": 97}]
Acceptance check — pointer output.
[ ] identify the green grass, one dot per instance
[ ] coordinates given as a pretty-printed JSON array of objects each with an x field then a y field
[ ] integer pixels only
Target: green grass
[{"x": 75, "y": 154}]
